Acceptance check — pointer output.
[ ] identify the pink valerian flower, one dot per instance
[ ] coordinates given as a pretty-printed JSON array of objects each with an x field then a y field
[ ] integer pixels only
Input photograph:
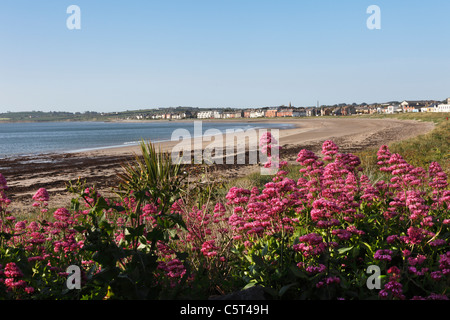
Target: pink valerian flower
[
  {"x": 61, "y": 214},
  {"x": 29, "y": 290},
  {"x": 174, "y": 268},
  {"x": 444, "y": 263},
  {"x": 329, "y": 150},
  {"x": 150, "y": 209},
  {"x": 265, "y": 212},
  {"x": 3, "y": 183},
  {"x": 312, "y": 269},
  {"x": 307, "y": 157},
  {"x": 238, "y": 195},
  {"x": 328, "y": 281},
  {"x": 394, "y": 272},
  {"x": 20, "y": 225},
  {"x": 437, "y": 176},
  {"x": 267, "y": 138},
  {"x": 416, "y": 205},
  {"x": 420, "y": 259},
  {"x": 392, "y": 238},
  {"x": 310, "y": 245},
  {"x": 348, "y": 161},
  {"x": 41, "y": 195},
  {"x": 342, "y": 234},
  {"x": 436, "y": 296},
  {"x": 416, "y": 271},
  {"x": 438, "y": 183},
  {"x": 392, "y": 289},
  {"x": 436, "y": 275},
  {"x": 383, "y": 255},
  {"x": 416, "y": 235},
  {"x": 11, "y": 283},
  {"x": 269, "y": 146},
  {"x": 383, "y": 157},
  {"x": 438, "y": 243},
  {"x": 209, "y": 248},
  {"x": 266, "y": 141},
  {"x": 324, "y": 213},
  {"x": 399, "y": 166},
  {"x": 4, "y": 201},
  {"x": 12, "y": 271}
]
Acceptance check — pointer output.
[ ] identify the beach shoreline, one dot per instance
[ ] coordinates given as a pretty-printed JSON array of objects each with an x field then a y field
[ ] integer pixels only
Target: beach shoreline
[{"x": 26, "y": 175}]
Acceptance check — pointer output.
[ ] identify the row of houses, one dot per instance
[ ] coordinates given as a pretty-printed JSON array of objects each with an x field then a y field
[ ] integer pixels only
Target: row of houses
[
  {"x": 417, "y": 106},
  {"x": 253, "y": 113},
  {"x": 290, "y": 111}
]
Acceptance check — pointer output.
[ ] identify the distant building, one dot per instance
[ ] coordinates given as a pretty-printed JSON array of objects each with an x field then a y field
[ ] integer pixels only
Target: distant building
[
  {"x": 325, "y": 111},
  {"x": 272, "y": 113},
  {"x": 312, "y": 111},
  {"x": 228, "y": 115},
  {"x": 205, "y": 114},
  {"x": 300, "y": 112},
  {"x": 394, "y": 109},
  {"x": 285, "y": 113},
  {"x": 415, "y": 105},
  {"x": 337, "y": 111},
  {"x": 257, "y": 114},
  {"x": 348, "y": 110},
  {"x": 217, "y": 114},
  {"x": 239, "y": 114},
  {"x": 442, "y": 108},
  {"x": 187, "y": 114}
]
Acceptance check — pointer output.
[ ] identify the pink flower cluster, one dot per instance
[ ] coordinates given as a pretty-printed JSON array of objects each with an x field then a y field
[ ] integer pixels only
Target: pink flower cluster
[
  {"x": 310, "y": 245},
  {"x": 41, "y": 198},
  {"x": 335, "y": 196},
  {"x": 13, "y": 280},
  {"x": 4, "y": 201},
  {"x": 268, "y": 145},
  {"x": 263, "y": 213}
]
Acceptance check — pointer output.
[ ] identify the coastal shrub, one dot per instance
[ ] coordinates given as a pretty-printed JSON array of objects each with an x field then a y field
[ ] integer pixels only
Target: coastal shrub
[{"x": 312, "y": 234}]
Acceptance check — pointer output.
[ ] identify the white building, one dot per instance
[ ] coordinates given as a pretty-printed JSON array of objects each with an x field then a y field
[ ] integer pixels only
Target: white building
[
  {"x": 217, "y": 115},
  {"x": 442, "y": 108},
  {"x": 393, "y": 109},
  {"x": 205, "y": 115},
  {"x": 257, "y": 114}
]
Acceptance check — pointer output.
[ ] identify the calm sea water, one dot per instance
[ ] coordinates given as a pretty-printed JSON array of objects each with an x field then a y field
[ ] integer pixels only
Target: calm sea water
[{"x": 17, "y": 139}]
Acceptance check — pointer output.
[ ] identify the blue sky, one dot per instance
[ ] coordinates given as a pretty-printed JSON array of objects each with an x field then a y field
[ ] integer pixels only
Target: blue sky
[{"x": 220, "y": 53}]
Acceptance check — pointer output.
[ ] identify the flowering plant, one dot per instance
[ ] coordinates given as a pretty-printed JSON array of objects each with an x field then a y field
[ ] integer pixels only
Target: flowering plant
[{"x": 309, "y": 237}]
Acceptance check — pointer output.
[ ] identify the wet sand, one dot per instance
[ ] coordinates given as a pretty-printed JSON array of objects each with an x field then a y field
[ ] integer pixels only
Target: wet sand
[{"x": 100, "y": 167}]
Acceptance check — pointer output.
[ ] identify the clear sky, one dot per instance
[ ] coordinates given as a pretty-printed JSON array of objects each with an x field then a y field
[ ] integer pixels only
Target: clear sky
[{"x": 220, "y": 53}]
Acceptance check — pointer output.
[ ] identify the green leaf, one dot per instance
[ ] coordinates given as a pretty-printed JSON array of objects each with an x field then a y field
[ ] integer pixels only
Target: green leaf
[
  {"x": 249, "y": 285},
  {"x": 368, "y": 246},
  {"x": 344, "y": 250},
  {"x": 265, "y": 250}
]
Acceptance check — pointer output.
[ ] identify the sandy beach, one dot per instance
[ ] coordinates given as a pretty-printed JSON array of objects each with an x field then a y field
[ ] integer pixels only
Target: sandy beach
[{"x": 100, "y": 167}]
